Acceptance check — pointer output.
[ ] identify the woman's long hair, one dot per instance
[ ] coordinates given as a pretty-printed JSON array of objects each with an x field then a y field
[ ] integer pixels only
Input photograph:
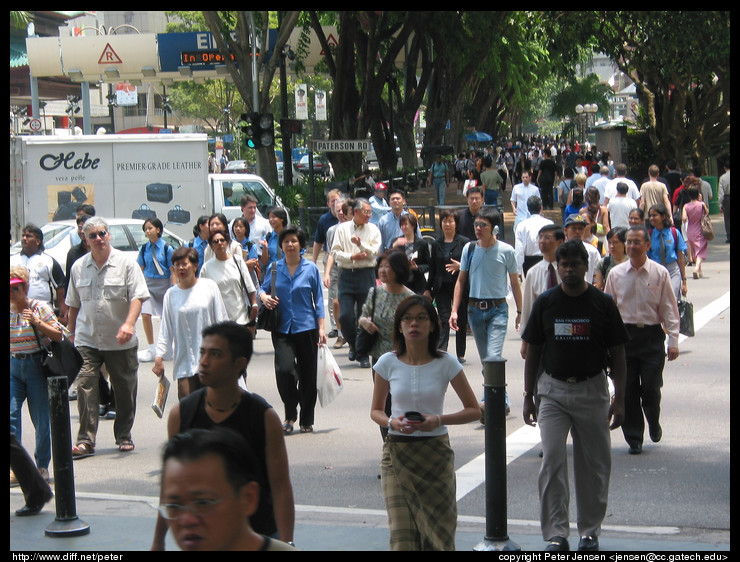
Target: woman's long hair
[{"x": 399, "y": 341}]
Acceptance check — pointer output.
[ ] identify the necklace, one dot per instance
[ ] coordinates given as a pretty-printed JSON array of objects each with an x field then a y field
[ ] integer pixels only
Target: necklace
[{"x": 234, "y": 405}]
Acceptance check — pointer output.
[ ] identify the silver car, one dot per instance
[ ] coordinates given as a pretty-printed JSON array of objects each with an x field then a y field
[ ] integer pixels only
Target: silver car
[{"x": 125, "y": 234}]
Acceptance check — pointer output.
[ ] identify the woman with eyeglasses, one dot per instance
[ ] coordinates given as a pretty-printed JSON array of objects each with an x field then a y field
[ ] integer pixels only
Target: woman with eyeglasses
[
  {"x": 219, "y": 223},
  {"x": 32, "y": 323},
  {"x": 232, "y": 277},
  {"x": 421, "y": 503},
  {"x": 189, "y": 306}
]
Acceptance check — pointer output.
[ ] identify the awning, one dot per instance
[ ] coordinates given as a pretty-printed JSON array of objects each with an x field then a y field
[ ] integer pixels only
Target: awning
[{"x": 478, "y": 137}]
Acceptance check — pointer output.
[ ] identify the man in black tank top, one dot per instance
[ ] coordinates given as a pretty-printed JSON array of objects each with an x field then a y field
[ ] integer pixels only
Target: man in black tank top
[{"x": 225, "y": 352}]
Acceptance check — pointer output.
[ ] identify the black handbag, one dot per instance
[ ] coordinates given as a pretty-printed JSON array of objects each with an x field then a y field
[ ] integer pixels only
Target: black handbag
[
  {"x": 144, "y": 213},
  {"x": 364, "y": 340},
  {"x": 269, "y": 320},
  {"x": 178, "y": 215},
  {"x": 159, "y": 192},
  {"x": 62, "y": 359},
  {"x": 686, "y": 315}
]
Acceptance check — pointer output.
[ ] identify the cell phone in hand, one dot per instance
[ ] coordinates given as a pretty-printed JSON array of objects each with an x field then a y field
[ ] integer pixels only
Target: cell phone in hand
[{"x": 414, "y": 416}]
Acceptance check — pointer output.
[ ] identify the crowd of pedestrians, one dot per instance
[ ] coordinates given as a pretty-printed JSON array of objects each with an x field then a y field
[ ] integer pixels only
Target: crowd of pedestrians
[{"x": 578, "y": 287}]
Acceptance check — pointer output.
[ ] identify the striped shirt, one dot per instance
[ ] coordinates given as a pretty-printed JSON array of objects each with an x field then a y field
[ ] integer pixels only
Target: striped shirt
[{"x": 22, "y": 336}]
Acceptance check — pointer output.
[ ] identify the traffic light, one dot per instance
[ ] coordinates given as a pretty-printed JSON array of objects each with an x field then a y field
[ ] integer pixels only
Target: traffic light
[
  {"x": 258, "y": 129},
  {"x": 249, "y": 128},
  {"x": 266, "y": 130}
]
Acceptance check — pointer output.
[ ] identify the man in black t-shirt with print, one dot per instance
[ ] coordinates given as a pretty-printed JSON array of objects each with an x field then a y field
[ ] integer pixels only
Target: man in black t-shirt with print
[{"x": 577, "y": 331}]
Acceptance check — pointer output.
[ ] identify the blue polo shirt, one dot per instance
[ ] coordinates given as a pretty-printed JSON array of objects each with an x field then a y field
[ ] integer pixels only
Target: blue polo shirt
[{"x": 301, "y": 296}]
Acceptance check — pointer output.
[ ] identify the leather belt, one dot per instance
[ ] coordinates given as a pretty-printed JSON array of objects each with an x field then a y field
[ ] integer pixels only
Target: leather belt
[
  {"x": 22, "y": 356},
  {"x": 485, "y": 304},
  {"x": 576, "y": 379}
]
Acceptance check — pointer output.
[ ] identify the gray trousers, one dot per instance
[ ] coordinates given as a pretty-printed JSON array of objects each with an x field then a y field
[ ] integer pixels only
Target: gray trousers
[
  {"x": 580, "y": 409},
  {"x": 122, "y": 366}
]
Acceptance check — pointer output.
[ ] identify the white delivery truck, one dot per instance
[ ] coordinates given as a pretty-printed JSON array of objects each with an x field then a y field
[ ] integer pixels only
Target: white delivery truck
[
  {"x": 122, "y": 176},
  {"x": 125, "y": 177},
  {"x": 228, "y": 190}
]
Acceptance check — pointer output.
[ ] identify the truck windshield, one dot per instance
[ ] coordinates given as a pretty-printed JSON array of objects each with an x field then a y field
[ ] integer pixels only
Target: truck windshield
[{"x": 235, "y": 190}]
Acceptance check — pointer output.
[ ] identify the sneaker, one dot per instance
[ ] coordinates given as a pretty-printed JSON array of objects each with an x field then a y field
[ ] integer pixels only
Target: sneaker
[
  {"x": 146, "y": 356},
  {"x": 339, "y": 343},
  {"x": 44, "y": 473}
]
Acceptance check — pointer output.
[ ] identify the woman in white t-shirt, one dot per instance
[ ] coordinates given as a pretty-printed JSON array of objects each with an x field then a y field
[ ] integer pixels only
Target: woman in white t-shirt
[
  {"x": 232, "y": 277},
  {"x": 189, "y": 306},
  {"x": 417, "y": 374}
]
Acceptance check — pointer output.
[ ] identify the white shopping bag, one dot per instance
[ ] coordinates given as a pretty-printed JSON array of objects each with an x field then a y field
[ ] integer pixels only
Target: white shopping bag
[{"x": 329, "y": 381}]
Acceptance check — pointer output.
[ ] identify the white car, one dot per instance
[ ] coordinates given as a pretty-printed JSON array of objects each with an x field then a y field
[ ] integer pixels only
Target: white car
[{"x": 126, "y": 235}]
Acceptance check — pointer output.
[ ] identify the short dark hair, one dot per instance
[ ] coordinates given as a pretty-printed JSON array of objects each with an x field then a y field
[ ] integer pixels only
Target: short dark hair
[
  {"x": 240, "y": 462},
  {"x": 155, "y": 222},
  {"x": 85, "y": 208},
  {"x": 641, "y": 228},
  {"x": 490, "y": 214},
  {"x": 473, "y": 189},
  {"x": 37, "y": 232},
  {"x": 446, "y": 213},
  {"x": 572, "y": 248},
  {"x": 557, "y": 231},
  {"x": 280, "y": 213},
  {"x": 238, "y": 336},
  {"x": 295, "y": 230},
  {"x": 409, "y": 218},
  {"x": 224, "y": 234},
  {"x": 186, "y": 252},
  {"x": 398, "y": 262},
  {"x": 244, "y": 222}
]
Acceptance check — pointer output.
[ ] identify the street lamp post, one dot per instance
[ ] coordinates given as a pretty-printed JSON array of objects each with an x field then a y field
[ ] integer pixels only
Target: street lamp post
[{"x": 584, "y": 114}]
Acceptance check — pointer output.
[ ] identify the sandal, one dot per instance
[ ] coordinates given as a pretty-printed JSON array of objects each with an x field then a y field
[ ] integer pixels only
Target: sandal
[
  {"x": 82, "y": 450},
  {"x": 306, "y": 429},
  {"x": 288, "y": 427},
  {"x": 126, "y": 446}
]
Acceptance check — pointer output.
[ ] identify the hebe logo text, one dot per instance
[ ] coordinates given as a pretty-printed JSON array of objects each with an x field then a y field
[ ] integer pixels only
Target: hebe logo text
[{"x": 68, "y": 162}]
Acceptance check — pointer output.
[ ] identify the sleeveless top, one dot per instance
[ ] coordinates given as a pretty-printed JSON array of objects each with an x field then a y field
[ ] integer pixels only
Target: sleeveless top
[{"x": 249, "y": 421}]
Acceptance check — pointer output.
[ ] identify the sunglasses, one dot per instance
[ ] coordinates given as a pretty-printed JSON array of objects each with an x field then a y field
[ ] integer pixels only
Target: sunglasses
[{"x": 94, "y": 235}]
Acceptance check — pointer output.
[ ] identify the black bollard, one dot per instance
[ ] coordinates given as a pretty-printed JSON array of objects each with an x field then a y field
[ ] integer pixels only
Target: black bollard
[
  {"x": 494, "y": 384},
  {"x": 66, "y": 523}
]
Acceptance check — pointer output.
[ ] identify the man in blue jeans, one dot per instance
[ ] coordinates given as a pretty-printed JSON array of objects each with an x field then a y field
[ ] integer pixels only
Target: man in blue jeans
[{"x": 490, "y": 265}]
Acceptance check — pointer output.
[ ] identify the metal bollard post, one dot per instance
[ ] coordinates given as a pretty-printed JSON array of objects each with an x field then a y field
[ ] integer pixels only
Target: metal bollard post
[
  {"x": 494, "y": 383},
  {"x": 66, "y": 523}
]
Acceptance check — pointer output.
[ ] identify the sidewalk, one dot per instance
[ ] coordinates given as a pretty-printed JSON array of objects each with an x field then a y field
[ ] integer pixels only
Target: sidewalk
[{"x": 126, "y": 524}]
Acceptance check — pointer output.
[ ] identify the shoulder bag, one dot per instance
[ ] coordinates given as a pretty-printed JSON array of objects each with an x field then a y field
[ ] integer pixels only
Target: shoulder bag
[
  {"x": 62, "y": 359},
  {"x": 364, "y": 341},
  {"x": 707, "y": 229},
  {"x": 269, "y": 320}
]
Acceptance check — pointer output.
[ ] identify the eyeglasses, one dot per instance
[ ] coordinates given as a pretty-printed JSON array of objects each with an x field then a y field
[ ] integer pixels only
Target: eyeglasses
[
  {"x": 481, "y": 224},
  {"x": 419, "y": 318},
  {"x": 94, "y": 235},
  {"x": 199, "y": 508}
]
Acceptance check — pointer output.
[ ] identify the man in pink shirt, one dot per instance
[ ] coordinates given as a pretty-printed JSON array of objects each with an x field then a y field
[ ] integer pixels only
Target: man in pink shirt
[{"x": 642, "y": 290}]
